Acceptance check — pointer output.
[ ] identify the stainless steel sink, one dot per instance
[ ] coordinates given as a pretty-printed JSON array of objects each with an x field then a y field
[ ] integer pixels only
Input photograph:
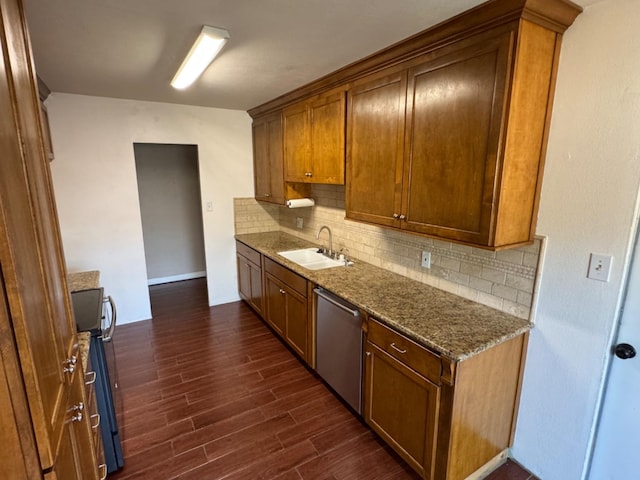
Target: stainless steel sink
[{"x": 309, "y": 258}]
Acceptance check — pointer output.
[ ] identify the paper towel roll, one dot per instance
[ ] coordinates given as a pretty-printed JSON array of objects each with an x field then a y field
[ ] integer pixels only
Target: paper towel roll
[{"x": 300, "y": 202}]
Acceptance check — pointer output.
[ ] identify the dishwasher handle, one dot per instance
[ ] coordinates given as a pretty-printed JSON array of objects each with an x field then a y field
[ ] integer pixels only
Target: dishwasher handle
[{"x": 321, "y": 293}]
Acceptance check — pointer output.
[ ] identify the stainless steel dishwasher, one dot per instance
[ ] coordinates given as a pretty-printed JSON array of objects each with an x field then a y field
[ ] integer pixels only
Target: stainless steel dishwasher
[{"x": 339, "y": 346}]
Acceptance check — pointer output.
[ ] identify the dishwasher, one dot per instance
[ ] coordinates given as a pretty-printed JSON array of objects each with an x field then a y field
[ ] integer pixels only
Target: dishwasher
[{"x": 339, "y": 346}]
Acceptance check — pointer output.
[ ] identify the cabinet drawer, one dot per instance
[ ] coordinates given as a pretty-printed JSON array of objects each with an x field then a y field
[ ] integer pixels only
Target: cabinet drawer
[
  {"x": 248, "y": 252},
  {"x": 407, "y": 351},
  {"x": 295, "y": 281}
]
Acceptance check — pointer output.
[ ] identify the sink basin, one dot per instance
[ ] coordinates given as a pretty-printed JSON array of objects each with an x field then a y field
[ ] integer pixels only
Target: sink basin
[{"x": 309, "y": 258}]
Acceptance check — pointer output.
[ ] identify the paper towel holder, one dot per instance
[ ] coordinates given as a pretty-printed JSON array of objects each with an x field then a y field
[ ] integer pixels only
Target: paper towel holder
[{"x": 300, "y": 203}]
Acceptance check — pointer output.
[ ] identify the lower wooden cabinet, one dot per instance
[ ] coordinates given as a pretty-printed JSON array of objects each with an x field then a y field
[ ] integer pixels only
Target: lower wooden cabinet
[
  {"x": 402, "y": 407},
  {"x": 250, "y": 276},
  {"x": 286, "y": 306},
  {"x": 447, "y": 420}
]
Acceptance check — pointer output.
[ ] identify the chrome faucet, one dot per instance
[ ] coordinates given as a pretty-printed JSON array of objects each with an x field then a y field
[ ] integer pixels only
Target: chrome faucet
[{"x": 324, "y": 227}]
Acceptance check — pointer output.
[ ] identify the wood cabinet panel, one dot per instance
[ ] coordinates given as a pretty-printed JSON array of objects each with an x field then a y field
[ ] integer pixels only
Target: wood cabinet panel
[
  {"x": 276, "y": 314},
  {"x": 375, "y": 149},
  {"x": 250, "y": 276},
  {"x": 454, "y": 111},
  {"x": 287, "y": 307},
  {"x": 402, "y": 407},
  {"x": 296, "y": 143},
  {"x": 426, "y": 363},
  {"x": 268, "y": 161},
  {"x": 314, "y": 139}
]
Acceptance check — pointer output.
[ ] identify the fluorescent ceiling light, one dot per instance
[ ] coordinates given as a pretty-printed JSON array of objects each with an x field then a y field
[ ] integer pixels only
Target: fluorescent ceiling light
[{"x": 204, "y": 50}]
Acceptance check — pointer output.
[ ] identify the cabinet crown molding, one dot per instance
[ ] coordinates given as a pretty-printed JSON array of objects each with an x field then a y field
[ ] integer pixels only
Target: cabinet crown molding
[{"x": 556, "y": 15}]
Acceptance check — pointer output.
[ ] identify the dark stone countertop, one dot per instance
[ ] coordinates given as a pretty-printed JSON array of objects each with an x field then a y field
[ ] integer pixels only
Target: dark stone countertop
[{"x": 450, "y": 325}]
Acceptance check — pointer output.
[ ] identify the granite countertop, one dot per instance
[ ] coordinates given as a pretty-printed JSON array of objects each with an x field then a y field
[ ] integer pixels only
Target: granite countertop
[
  {"x": 84, "y": 342},
  {"x": 83, "y": 280},
  {"x": 454, "y": 327}
]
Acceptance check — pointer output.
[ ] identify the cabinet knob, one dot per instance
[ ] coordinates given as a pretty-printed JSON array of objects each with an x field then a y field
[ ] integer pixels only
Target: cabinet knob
[
  {"x": 282, "y": 291},
  {"x": 266, "y": 194},
  {"x": 78, "y": 409},
  {"x": 395, "y": 215},
  {"x": 70, "y": 364},
  {"x": 402, "y": 217},
  {"x": 624, "y": 351},
  {"x": 308, "y": 174}
]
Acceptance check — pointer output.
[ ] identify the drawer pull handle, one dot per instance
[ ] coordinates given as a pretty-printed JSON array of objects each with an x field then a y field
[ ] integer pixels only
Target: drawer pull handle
[
  {"x": 95, "y": 415},
  {"x": 399, "y": 350},
  {"x": 92, "y": 376},
  {"x": 103, "y": 469}
]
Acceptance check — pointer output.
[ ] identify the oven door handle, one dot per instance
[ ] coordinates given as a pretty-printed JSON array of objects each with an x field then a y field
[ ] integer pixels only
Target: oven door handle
[{"x": 112, "y": 326}]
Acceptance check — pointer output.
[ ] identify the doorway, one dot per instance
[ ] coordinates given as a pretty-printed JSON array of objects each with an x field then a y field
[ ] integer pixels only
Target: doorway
[{"x": 171, "y": 213}]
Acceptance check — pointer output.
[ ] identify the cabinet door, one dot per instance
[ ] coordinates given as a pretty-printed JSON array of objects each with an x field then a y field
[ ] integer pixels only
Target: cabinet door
[
  {"x": 268, "y": 162},
  {"x": 275, "y": 294},
  {"x": 455, "y": 107},
  {"x": 255, "y": 273},
  {"x": 375, "y": 130},
  {"x": 296, "y": 332},
  {"x": 33, "y": 266},
  {"x": 402, "y": 407},
  {"x": 244, "y": 278},
  {"x": 261, "y": 170},
  {"x": 327, "y": 138},
  {"x": 296, "y": 143},
  {"x": 250, "y": 282}
]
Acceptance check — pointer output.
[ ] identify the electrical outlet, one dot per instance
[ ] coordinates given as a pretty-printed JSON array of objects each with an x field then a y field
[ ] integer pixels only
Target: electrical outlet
[
  {"x": 599, "y": 267},
  {"x": 299, "y": 222},
  {"x": 426, "y": 259}
]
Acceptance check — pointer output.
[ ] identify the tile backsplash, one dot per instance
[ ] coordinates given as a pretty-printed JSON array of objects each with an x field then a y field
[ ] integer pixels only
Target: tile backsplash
[{"x": 503, "y": 280}]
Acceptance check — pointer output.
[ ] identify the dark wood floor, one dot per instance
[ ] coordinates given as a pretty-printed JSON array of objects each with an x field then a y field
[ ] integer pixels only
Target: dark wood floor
[{"x": 210, "y": 393}]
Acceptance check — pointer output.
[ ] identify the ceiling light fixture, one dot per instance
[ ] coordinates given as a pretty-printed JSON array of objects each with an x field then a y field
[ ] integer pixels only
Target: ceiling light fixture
[{"x": 204, "y": 50}]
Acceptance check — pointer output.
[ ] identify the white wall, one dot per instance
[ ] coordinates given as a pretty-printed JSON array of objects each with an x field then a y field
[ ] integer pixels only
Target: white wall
[
  {"x": 588, "y": 204},
  {"x": 96, "y": 191}
]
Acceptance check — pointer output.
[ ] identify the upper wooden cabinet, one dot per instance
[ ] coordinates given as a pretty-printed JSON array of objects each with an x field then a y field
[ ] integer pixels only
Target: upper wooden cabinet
[
  {"x": 375, "y": 148},
  {"x": 314, "y": 139},
  {"x": 470, "y": 167},
  {"x": 267, "y": 159},
  {"x": 446, "y": 131}
]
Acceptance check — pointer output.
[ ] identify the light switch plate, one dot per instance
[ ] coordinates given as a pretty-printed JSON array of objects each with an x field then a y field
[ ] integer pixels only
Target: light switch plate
[
  {"x": 600, "y": 267},
  {"x": 299, "y": 222}
]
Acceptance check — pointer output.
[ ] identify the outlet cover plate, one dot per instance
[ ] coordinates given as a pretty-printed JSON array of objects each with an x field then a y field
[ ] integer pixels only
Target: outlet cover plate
[
  {"x": 600, "y": 267},
  {"x": 426, "y": 259}
]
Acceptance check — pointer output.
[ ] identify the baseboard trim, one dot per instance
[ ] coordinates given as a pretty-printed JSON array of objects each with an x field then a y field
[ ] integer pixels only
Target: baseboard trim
[
  {"x": 490, "y": 466},
  {"x": 176, "y": 278}
]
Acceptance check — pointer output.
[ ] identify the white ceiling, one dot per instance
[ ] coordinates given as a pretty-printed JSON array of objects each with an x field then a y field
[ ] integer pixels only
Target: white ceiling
[{"x": 132, "y": 48}]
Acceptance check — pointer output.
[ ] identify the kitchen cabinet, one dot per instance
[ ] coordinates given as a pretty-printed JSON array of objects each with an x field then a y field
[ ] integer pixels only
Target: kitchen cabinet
[
  {"x": 447, "y": 420},
  {"x": 287, "y": 307},
  {"x": 447, "y": 130},
  {"x": 39, "y": 353},
  {"x": 452, "y": 178},
  {"x": 267, "y": 159},
  {"x": 250, "y": 276},
  {"x": 401, "y": 402},
  {"x": 375, "y": 148},
  {"x": 268, "y": 163},
  {"x": 314, "y": 139}
]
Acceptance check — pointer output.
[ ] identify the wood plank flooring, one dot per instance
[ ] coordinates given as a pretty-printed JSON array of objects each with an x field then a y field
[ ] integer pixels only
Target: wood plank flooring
[{"x": 210, "y": 393}]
